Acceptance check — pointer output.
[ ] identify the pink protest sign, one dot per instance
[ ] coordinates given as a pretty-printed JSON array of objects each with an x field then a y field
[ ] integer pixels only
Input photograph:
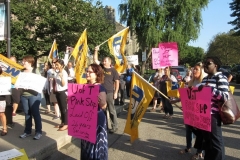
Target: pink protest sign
[
  {"x": 197, "y": 107},
  {"x": 155, "y": 58},
  {"x": 83, "y": 111},
  {"x": 168, "y": 54}
]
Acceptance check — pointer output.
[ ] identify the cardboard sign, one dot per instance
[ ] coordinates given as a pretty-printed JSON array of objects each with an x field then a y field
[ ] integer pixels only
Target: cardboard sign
[
  {"x": 10, "y": 68},
  {"x": 83, "y": 111},
  {"x": 5, "y": 85},
  {"x": 197, "y": 107},
  {"x": 133, "y": 59},
  {"x": 30, "y": 81},
  {"x": 5, "y": 155},
  {"x": 155, "y": 58},
  {"x": 168, "y": 54}
]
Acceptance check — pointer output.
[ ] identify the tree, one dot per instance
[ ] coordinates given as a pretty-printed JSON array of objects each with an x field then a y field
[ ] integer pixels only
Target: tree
[
  {"x": 192, "y": 55},
  {"x": 35, "y": 24},
  {"x": 225, "y": 46},
  {"x": 235, "y": 7},
  {"x": 155, "y": 21}
]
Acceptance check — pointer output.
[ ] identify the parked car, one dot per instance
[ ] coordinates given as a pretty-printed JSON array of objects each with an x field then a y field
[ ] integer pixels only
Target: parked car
[
  {"x": 176, "y": 73},
  {"x": 229, "y": 68},
  {"x": 236, "y": 73},
  {"x": 181, "y": 70}
]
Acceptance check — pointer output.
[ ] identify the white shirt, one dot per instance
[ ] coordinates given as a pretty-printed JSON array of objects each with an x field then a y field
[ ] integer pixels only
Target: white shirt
[
  {"x": 71, "y": 74},
  {"x": 59, "y": 86}
]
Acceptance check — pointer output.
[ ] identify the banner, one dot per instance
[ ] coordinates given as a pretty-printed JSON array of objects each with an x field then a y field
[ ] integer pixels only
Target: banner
[
  {"x": 80, "y": 54},
  {"x": 30, "y": 81},
  {"x": 156, "y": 58},
  {"x": 168, "y": 54},
  {"x": 2, "y": 22},
  {"x": 197, "y": 107},
  {"x": 5, "y": 85},
  {"x": 53, "y": 54},
  {"x": 10, "y": 68},
  {"x": 141, "y": 95},
  {"x": 116, "y": 46},
  {"x": 83, "y": 111}
]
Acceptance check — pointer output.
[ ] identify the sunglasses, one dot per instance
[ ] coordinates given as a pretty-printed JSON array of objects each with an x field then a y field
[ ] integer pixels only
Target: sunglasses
[{"x": 207, "y": 63}]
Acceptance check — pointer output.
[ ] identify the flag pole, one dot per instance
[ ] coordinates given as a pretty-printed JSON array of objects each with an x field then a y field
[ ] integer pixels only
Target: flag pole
[
  {"x": 112, "y": 36},
  {"x": 156, "y": 89}
]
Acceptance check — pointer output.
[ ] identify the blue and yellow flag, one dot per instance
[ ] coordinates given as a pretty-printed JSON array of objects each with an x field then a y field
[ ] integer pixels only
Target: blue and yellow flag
[
  {"x": 172, "y": 88},
  {"x": 80, "y": 54},
  {"x": 142, "y": 94},
  {"x": 53, "y": 54},
  {"x": 117, "y": 45}
]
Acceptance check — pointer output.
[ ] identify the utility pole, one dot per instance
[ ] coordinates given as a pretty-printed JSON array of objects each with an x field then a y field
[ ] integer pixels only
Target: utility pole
[{"x": 8, "y": 29}]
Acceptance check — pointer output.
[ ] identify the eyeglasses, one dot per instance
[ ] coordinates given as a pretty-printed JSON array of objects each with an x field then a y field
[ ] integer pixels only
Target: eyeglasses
[
  {"x": 89, "y": 72},
  {"x": 208, "y": 63}
]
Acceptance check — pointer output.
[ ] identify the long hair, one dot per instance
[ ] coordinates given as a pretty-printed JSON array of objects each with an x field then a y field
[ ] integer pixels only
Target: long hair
[
  {"x": 97, "y": 69},
  {"x": 198, "y": 80}
]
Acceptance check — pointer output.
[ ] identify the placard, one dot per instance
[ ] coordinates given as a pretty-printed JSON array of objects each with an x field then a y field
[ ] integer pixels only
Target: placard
[
  {"x": 9, "y": 154},
  {"x": 168, "y": 54},
  {"x": 30, "y": 81},
  {"x": 133, "y": 59},
  {"x": 83, "y": 111},
  {"x": 5, "y": 85},
  {"x": 197, "y": 107},
  {"x": 155, "y": 58}
]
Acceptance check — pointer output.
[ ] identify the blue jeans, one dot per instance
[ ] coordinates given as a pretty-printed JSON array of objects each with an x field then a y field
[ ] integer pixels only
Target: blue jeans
[{"x": 31, "y": 109}]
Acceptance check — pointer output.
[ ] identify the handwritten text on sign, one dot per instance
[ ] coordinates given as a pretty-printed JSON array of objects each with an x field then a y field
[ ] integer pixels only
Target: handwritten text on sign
[
  {"x": 83, "y": 111},
  {"x": 168, "y": 54},
  {"x": 197, "y": 107},
  {"x": 5, "y": 85},
  {"x": 155, "y": 58}
]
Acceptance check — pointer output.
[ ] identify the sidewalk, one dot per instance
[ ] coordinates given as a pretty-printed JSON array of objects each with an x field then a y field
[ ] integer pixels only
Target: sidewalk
[{"x": 50, "y": 142}]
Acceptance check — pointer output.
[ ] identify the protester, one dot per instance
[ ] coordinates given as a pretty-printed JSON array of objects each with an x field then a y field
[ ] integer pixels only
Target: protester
[
  {"x": 213, "y": 141},
  {"x": 99, "y": 150},
  {"x": 2, "y": 110},
  {"x": 121, "y": 96},
  {"x": 197, "y": 77},
  {"x": 188, "y": 76},
  {"x": 60, "y": 86},
  {"x": 168, "y": 109},
  {"x": 156, "y": 83},
  {"x": 226, "y": 73},
  {"x": 15, "y": 97},
  {"x": 47, "y": 66},
  {"x": 111, "y": 84},
  {"x": 71, "y": 75},
  {"x": 31, "y": 102},
  {"x": 129, "y": 72}
]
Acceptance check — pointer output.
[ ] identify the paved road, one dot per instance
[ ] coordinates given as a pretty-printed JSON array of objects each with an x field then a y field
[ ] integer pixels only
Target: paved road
[{"x": 158, "y": 139}]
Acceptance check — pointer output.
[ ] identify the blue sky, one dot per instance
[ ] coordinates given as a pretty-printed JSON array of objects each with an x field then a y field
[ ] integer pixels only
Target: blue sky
[{"x": 215, "y": 18}]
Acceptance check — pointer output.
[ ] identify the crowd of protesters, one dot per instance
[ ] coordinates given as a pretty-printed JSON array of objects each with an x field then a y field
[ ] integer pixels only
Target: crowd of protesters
[{"x": 113, "y": 86}]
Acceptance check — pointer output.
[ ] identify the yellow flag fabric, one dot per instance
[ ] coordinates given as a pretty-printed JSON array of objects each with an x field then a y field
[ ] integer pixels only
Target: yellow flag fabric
[
  {"x": 173, "y": 92},
  {"x": 142, "y": 94},
  {"x": 231, "y": 89},
  {"x": 116, "y": 46},
  {"x": 80, "y": 54},
  {"x": 54, "y": 51},
  {"x": 10, "y": 68}
]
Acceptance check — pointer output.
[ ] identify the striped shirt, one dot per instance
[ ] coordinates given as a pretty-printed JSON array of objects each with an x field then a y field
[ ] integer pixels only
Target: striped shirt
[{"x": 219, "y": 84}]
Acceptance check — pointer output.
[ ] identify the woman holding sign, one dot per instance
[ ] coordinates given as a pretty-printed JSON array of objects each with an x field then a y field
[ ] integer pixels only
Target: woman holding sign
[
  {"x": 99, "y": 150},
  {"x": 2, "y": 112},
  {"x": 213, "y": 141},
  {"x": 31, "y": 101}
]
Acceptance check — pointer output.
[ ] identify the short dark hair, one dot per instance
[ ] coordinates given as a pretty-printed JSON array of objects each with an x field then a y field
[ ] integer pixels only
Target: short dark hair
[
  {"x": 216, "y": 61},
  {"x": 97, "y": 69},
  {"x": 61, "y": 62}
]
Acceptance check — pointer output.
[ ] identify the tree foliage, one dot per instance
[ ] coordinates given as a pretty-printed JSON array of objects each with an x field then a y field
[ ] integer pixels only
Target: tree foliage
[
  {"x": 35, "y": 24},
  {"x": 235, "y": 7},
  {"x": 155, "y": 21},
  {"x": 226, "y": 47}
]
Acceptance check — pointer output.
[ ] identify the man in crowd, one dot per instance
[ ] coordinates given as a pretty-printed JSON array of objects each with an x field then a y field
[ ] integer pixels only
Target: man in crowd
[{"x": 111, "y": 84}]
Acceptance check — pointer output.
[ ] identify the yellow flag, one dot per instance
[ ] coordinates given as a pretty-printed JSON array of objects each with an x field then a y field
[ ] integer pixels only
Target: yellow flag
[
  {"x": 172, "y": 88},
  {"x": 116, "y": 46},
  {"x": 80, "y": 54},
  {"x": 54, "y": 51},
  {"x": 142, "y": 94}
]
